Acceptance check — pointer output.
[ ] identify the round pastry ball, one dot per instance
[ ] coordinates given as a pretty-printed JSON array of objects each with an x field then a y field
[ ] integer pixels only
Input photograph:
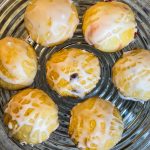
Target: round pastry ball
[
  {"x": 95, "y": 124},
  {"x": 51, "y": 22},
  {"x": 73, "y": 72},
  {"x": 109, "y": 26},
  {"x": 131, "y": 74},
  {"x": 31, "y": 116},
  {"x": 18, "y": 63}
]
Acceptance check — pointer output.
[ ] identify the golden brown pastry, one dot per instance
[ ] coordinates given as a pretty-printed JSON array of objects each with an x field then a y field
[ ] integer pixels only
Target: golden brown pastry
[
  {"x": 51, "y": 22},
  {"x": 73, "y": 72},
  {"x": 95, "y": 124},
  {"x": 18, "y": 63},
  {"x": 31, "y": 116},
  {"x": 109, "y": 26},
  {"x": 131, "y": 74}
]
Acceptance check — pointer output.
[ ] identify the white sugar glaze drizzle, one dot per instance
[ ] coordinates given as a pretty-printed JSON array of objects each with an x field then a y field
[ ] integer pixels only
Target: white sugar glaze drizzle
[
  {"x": 58, "y": 13},
  {"x": 97, "y": 136},
  {"x": 107, "y": 25},
  {"x": 17, "y": 55},
  {"x": 75, "y": 83},
  {"x": 35, "y": 119},
  {"x": 135, "y": 72}
]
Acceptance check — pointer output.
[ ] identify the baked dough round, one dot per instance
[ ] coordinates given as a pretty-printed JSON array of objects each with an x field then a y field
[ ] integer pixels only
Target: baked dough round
[
  {"x": 51, "y": 22},
  {"x": 109, "y": 26},
  {"x": 131, "y": 74},
  {"x": 95, "y": 124},
  {"x": 73, "y": 72},
  {"x": 31, "y": 116},
  {"x": 18, "y": 63}
]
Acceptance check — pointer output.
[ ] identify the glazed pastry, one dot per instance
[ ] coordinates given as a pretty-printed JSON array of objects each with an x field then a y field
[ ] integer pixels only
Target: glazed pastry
[
  {"x": 31, "y": 116},
  {"x": 18, "y": 63},
  {"x": 95, "y": 124},
  {"x": 131, "y": 74},
  {"x": 109, "y": 26},
  {"x": 73, "y": 72},
  {"x": 51, "y": 22}
]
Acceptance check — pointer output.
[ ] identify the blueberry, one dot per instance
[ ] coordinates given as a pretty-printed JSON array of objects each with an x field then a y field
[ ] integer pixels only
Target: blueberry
[{"x": 73, "y": 76}]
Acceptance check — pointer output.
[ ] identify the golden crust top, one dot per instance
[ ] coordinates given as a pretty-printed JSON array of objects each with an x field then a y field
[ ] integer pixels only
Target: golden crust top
[
  {"x": 18, "y": 62},
  {"x": 73, "y": 72},
  {"x": 31, "y": 116},
  {"x": 95, "y": 124},
  {"x": 131, "y": 74},
  {"x": 109, "y": 26},
  {"x": 50, "y": 22}
]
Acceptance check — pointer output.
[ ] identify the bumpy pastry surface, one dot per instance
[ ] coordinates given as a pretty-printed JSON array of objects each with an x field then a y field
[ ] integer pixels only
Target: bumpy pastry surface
[
  {"x": 95, "y": 124},
  {"x": 31, "y": 116},
  {"x": 131, "y": 74},
  {"x": 51, "y": 22},
  {"x": 73, "y": 72},
  {"x": 109, "y": 26},
  {"x": 18, "y": 63}
]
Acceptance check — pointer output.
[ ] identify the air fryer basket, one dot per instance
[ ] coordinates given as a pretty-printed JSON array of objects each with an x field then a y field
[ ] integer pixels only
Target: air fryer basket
[{"x": 136, "y": 115}]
